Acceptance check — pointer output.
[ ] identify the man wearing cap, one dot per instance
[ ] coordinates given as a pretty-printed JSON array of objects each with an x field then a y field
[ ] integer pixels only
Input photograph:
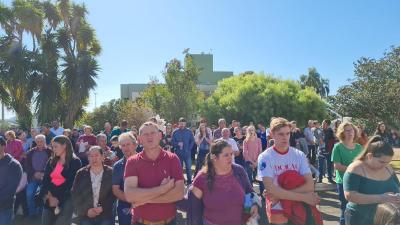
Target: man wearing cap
[
  {"x": 10, "y": 173},
  {"x": 153, "y": 180},
  {"x": 183, "y": 142}
]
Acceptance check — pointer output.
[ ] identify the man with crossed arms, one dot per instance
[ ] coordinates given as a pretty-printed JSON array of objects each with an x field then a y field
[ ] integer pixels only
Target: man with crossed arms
[{"x": 153, "y": 181}]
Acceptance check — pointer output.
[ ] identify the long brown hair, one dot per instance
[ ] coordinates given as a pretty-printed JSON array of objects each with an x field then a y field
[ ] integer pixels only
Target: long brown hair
[
  {"x": 69, "y": 153},
  {"x": 203, "y": 134},
  {"x": 377, "y": 147},
  {"x": 387, "y": 213},
  {"x": 216, "y": 149}
]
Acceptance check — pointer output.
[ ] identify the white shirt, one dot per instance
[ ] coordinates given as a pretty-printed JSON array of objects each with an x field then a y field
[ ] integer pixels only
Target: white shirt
[
  {"x": 96, "y": 184},
  {"x": 272, "y": 164},
  {"x": 234, "y": 146},
  {"x": 59, "y": 131}
]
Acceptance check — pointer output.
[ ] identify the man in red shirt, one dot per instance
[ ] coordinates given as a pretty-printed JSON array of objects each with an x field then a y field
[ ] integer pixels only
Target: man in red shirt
[{"x": 153, "y": 180}]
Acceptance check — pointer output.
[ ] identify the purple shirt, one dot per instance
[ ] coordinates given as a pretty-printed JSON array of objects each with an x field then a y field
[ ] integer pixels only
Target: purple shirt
[
  {"x": 224, "y": 204},
  {"x": 39, "y": 160}
]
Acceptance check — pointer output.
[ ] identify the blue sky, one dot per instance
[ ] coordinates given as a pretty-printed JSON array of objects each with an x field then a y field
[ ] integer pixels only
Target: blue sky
[{"x": 283, "y": 38}]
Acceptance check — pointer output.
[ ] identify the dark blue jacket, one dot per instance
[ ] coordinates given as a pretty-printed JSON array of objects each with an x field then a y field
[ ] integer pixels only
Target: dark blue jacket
[
  {"x": 10, "y": 175},
  {"x": 183, "y": 135}
]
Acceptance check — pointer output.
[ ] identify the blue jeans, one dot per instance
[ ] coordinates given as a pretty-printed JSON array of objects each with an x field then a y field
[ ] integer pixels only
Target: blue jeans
[
  {"x": 343, "y": 203},
  {"x": 63, "y": 218},
  {"x": 200, "y": 160},
  {"x": 31, "y": 189},
  {"x": 6, "y": 217},
  {"x": 124, "y": 213},
  {"x": 321, "y": 164},
  {"x": 95, "y": 221},
  {"x": 250, "y": 172},
  {"x": 186, "y": 157}
]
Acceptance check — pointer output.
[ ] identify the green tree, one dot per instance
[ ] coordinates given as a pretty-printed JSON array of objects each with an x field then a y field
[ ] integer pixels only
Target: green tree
[
  {"x": 257, "y": 98},
  {"x": 114, "y": 111},
  {"x": 18, "y": 80},
  {"x": 178, "y": 94},
  {"x": 155, "y": 95},
  {"x": 314, "y": 80},
  {"x": 57, "y": 74},
  {"x": 80, "y": 47},
  {"x": 373, "y": 95}
]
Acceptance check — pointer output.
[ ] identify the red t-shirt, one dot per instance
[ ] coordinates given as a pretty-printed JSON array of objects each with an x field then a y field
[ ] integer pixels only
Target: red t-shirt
[
  {"x": 150, "y": 174},
  {"x": 223, "y": 205}
]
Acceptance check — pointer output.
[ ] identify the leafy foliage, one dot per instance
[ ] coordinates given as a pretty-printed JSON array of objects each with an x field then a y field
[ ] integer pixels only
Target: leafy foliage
[
  {"x": 178, "y": 94},
  {"x": 373, "y": 95},
  {"x": 256, "y": 98},
  {"x": 114, "y": 111},
  {"x": 57, "y": 74},
  {"x": 315, "y": 81}
]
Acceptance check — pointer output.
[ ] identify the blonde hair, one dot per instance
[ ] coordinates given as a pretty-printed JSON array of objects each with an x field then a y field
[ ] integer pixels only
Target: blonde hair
[
  {"x": 11, "y": 133},
  {"x": 277, "y": 123},
  {"x": 248, "y": 134},
  {"x": 340, "y": 131}
]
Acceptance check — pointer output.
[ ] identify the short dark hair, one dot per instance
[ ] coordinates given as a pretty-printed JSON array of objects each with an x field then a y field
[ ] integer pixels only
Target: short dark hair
[
  {"x": 182, "y": 119},
  {"x": 328, "y": 122},
  {"x": 46, "y": 125},
  {"x": 124, "y": 123},
  {"x": 2, "y": 141}
]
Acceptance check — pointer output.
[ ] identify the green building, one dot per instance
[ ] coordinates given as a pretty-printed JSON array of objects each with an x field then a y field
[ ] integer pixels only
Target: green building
[{"x": 207, "y": 80}]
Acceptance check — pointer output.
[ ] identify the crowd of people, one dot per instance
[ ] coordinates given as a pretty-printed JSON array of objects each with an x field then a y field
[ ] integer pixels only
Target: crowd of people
[{"x": 140, "y": 175}]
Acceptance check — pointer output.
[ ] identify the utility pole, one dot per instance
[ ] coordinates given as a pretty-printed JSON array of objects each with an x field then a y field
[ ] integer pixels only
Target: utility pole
[
  {"x": 2, "y": 111},
  {"x": 95, "y": 99}
]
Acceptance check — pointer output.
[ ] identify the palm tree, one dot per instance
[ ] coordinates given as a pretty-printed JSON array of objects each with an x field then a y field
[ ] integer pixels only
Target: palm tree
[
  {"x": 60, "y": 69},
  {"x": 314, "y": 80},
  {"x": 49, "y": 83},
  {"x": 16, "y": 72},
  {"x": 80, "y": 46},
  {"x": 30, "y": 20}
]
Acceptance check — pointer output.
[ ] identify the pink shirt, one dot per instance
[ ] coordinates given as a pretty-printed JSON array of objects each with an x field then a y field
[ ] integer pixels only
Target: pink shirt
[
  {"x": 56, "y": 176},
  {"x": 15, "y": 149},
  {"x": 223, "y": 205},
  {"x": 251, "y": 149}
]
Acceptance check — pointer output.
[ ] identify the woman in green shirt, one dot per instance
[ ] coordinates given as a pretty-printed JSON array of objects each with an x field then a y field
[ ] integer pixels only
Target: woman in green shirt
[
  {"x": 343, "y": 154},
  {"x": 368, "y": 181}
]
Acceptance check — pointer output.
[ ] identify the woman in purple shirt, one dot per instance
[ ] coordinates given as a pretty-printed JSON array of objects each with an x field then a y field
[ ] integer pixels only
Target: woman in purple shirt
[{"x": 221, "y": 189}]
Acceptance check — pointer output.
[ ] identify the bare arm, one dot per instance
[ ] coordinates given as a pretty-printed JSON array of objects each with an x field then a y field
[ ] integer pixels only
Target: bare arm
[
  {"x": 197, "y": 192},
  {"x": 279, "y": 193},
  {"x": 173, "y": 195},
  {"x": 359, "y": 198},
  {"x": 340, "y": 167},
  {"x": 353, "y": 196},
  {"x": 118, "y": 193},
  {"x": 135, "y": 194}
]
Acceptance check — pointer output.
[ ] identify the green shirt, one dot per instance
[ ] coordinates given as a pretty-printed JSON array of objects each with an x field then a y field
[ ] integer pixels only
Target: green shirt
[
  {"x": 364, "y": 213},
  {"x": 341, "y": 154}
]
